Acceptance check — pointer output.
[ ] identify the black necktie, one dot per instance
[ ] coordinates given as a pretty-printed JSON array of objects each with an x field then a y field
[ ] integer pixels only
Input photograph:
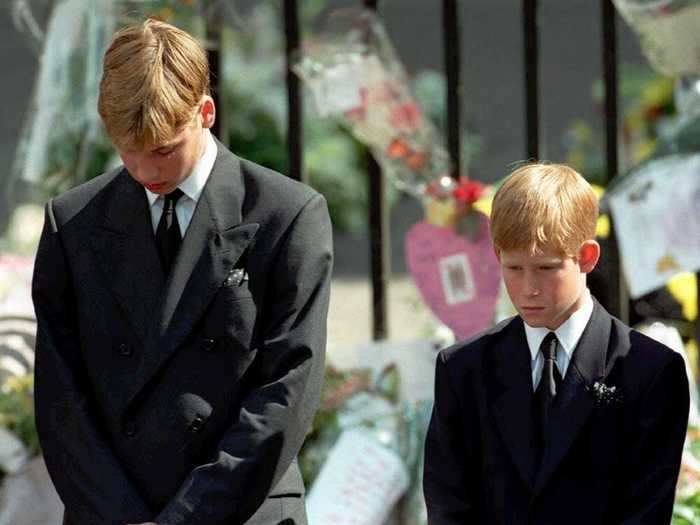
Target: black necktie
[
  {"x": 549, "y": 384},
  {"x": 168, "y": 237}
]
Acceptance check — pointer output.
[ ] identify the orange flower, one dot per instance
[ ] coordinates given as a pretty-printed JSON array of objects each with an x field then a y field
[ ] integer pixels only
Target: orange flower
[{"x": 397, "y": 149}]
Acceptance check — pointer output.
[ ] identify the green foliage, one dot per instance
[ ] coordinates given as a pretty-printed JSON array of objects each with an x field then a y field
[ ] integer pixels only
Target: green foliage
[
  {"x": 336, "y": 165},
  {"x": 647, "y": 104},
  {"x": 17, "y": 410}
]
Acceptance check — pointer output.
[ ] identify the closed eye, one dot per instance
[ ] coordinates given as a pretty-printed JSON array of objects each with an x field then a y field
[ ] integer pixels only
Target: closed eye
[{"x": 164, "y": 151}]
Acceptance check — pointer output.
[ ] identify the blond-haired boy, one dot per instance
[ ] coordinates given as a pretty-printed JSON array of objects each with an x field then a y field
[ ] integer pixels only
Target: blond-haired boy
[
  {"x": 561, "y": 414},
  {"x": 181, "y": 302}
]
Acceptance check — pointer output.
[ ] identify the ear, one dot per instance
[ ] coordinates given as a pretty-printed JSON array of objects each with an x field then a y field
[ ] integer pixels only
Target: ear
[
  {"x": 207, "y": 110},
  {"x": 588, "y": 256}
]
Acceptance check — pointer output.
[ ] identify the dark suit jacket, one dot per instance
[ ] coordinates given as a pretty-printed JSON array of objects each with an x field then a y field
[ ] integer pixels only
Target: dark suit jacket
[
  {"x": 182, "y": 400},
  {"x": 605, "y": 464}
]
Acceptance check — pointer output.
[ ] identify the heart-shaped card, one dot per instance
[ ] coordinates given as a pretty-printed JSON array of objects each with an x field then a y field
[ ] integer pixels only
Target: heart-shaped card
[{"x": 458, "y": 275}]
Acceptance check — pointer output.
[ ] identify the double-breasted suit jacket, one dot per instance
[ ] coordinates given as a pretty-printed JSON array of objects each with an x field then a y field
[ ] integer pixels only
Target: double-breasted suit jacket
[
  {"x": 610, "y": 458},
  {"x": 181, "y": 399}
]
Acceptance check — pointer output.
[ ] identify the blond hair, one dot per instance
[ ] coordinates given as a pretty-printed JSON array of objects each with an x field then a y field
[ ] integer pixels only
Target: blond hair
[
  {"x": 153, "y": 79},
  {"x": 544, "y": 206}
]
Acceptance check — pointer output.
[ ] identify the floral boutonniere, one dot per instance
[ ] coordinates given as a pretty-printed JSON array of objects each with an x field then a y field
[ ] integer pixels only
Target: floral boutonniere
[{"x": 605, "y": 395}]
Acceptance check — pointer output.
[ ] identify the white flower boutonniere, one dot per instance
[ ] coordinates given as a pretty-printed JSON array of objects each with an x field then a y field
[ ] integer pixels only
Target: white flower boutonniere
[{"x": 605, "y": 395}]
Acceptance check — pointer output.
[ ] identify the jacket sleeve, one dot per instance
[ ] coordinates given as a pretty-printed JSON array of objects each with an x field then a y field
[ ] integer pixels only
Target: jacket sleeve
[
  {"x": 273, "y": 419},
  {"x": 83, "y": 467},
  {"x": 449, "y": 456},
  {"x": 655, "y": 447}
]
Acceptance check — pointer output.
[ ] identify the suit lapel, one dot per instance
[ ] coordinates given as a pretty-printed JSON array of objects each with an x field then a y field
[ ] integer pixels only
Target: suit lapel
[
  {"x": 511, "y": 402},
  {"x": 125, "y": 247},
  {"x": 213, "y": 243},
  {"x": 574, "y": 403}
]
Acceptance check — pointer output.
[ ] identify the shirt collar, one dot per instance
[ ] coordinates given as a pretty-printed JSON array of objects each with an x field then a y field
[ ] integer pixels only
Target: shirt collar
[
  {"x": 568, "y": 334},
  {"x": 193, "y": 185}
]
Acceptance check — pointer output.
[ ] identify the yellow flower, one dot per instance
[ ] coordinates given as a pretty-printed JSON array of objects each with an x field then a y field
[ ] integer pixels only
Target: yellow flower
[{"x": 684, "y": 289}]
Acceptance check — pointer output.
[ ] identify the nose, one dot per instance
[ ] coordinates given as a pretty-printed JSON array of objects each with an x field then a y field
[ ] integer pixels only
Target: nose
[
  {"x": 147, "y": 171},
  {"x": 532, "y": 286}
]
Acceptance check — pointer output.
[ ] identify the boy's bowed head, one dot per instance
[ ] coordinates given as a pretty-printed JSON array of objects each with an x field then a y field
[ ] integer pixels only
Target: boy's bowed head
[
  {"x": 155, "y": 102},
  {"x": 543, "y": 225}
]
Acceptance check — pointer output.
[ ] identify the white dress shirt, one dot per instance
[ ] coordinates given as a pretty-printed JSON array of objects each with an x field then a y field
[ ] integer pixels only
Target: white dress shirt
[
  {"x": 568, "y": 334},
  {"x": 192, "y": 187}
]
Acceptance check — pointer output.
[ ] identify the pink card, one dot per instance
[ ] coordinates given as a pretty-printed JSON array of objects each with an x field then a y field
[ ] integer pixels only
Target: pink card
[{"x": 459, "y": 278}]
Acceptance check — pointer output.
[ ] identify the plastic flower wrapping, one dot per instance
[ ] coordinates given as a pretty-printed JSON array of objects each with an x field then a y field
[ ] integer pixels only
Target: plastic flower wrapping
[
  {"x": 667, "y": 31},
  {"x": 353, "y": 73}
]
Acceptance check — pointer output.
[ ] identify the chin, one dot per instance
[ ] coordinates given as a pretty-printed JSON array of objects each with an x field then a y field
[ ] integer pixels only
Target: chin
[
  {"x": 532, "y": 321},
  {"x": 537, "y": 321}
]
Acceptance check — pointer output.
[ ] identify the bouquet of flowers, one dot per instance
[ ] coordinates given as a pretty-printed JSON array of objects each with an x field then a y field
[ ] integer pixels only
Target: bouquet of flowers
[{"x": 354, "y": 75}]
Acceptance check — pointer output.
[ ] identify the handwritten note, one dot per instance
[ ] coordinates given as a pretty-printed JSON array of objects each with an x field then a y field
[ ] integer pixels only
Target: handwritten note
[
  {"x": 359, "y": 483},
  {"x": 656, "y": 213}
]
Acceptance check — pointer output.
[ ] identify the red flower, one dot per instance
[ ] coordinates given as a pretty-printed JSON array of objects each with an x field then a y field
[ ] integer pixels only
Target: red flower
[{"x": 468, "y": 192}]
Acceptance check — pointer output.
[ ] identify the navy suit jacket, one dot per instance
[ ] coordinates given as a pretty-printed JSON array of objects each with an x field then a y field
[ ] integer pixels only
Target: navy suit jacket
[
  {"x": 181, "y": 399},
  {"x": 604, "y": 463}
]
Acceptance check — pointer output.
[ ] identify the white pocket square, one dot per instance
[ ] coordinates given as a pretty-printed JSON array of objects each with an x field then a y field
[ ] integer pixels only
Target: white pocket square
[{"x": 236, "y": 277}]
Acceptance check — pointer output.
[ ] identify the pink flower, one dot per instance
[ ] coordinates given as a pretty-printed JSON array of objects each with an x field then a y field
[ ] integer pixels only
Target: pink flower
[{"x": 406, "y": 116}]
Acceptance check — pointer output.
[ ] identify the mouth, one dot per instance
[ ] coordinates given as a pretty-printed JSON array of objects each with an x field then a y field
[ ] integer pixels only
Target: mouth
[
  {"x": 155, "y": 186},
  {"x": 532, "y": 309}
]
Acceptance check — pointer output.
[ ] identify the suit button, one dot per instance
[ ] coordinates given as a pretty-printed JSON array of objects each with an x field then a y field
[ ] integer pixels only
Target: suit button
[
  {"x": 125, "y": 349},
  {"x": 197, "y": 425},
  {"x": 208, "y": 344},
  {"x": 130, "y": 429}
]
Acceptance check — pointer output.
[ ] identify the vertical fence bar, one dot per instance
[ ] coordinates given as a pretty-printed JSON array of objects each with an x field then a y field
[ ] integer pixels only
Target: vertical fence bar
[
  {"x": 379, "y": 239},
  {"x": 531, "y": 48},
  {"x": 294, "y": 100},
  {"x": 618, "y": 299},
  {"x": 451, "y": 33}
]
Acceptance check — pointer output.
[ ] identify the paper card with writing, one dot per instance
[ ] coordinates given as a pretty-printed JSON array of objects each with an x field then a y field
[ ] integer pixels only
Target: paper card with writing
[
  {"x": 457, "y": 277},
  {"x": 359, "y": 483},
  {"x": 656, "y": 213}
]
